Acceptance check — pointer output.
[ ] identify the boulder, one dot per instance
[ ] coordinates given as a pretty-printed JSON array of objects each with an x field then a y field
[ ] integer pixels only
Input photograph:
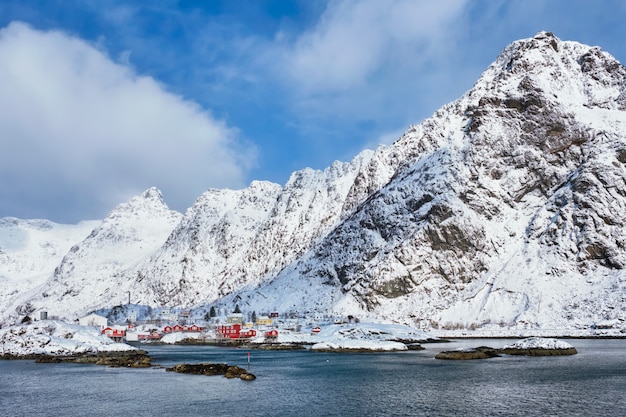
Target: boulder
[
  {"x": 414, "y": 346},
  {"x": 247, "y": 376}
]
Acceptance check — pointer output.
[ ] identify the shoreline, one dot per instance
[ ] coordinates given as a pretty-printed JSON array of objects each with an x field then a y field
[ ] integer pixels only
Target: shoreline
[
  {"x": 448, "y": 338},
  {"x": 141, "y": 359}
]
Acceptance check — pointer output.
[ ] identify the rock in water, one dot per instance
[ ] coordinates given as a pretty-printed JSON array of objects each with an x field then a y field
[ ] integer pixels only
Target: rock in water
[{"x": 212, "y": 369}]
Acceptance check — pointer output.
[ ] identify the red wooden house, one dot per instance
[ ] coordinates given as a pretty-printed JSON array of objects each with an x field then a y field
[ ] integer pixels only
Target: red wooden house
[
  {"x": 185, "y": 328},
  {"x": 195, "y": 328},
  {"x": 247, "y": 333},
  {"x": 229, "y": 331},
  {"x": 114, "y": 333},
  {"x": 151, "y": 336},
  {"x": 271, "y": 334}
]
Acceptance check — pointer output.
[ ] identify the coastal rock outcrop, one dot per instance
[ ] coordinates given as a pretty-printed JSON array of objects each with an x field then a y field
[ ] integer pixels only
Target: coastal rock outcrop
[
  {"x": 130, "y": 359},
  {"x": 532, "y": 346},
  {"x": 482, "y": 352},
  {"x": 210, "y": 369},
  {"x": 539, "y": 346}
]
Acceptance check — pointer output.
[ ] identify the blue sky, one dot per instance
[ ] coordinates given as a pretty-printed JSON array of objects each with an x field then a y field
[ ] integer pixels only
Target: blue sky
[{"x": 102, "y": 99}]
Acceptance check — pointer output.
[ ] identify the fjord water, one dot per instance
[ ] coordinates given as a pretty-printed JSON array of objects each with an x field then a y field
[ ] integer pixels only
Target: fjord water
[{"x": 304, "y": 383}]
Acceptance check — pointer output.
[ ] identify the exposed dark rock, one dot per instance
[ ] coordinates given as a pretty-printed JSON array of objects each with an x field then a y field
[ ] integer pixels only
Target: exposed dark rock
[
  {"x": 415, "y": 346},
  {"x": 485, "y": 352},
  {"x": 539, "y": 352},
  {"x": 210, "y": 369},
  {"x": 482, "y": 352},
  {"x": 134, "y": 359},
  {"x": 247, "y": 376},
  {"x": 191, "y": 341}
]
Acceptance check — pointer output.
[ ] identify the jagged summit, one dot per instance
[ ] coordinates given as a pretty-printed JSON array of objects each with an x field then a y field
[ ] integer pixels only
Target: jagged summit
[
  {"x": 502, "y": 209},
  {"x": 151, "y": 200},
  {"x": 152, "y": 193},
  {"x": 566, "y": 71}
]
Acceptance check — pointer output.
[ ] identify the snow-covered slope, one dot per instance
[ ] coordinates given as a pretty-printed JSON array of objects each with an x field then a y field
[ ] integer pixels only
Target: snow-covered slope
[
  {"x": 501, "y": 210},
  {"x": 232, "y": 239},
  {"x": 29, "y": 252},
  {"x": 87, "y": 276}
]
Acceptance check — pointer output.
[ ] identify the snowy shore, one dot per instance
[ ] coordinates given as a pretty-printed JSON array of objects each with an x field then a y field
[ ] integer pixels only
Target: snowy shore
[
  {"x": 55, "y": 338},
  {"x": 513, "y": 333},
  {"x": 352, "y": 337}
]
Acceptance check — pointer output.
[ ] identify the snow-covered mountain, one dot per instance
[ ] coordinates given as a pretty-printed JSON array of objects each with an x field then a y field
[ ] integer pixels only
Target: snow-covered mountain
[
  {"x": 502, "y": 209},
  {"x": 84, "y": 273},
  {"x": 510, "y": 210},
  {"x": 231, "y": 239}
]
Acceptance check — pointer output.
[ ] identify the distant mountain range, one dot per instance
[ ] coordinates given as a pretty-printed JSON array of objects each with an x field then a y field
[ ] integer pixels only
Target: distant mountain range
[{"x": 505, "y": 209}]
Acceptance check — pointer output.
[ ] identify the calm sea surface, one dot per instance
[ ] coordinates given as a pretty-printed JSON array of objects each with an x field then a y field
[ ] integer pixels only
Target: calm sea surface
[{"x": 304, "y": 383}]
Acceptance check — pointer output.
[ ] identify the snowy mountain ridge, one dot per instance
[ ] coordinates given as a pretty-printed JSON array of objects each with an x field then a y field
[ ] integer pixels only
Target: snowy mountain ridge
[
  {"x": 501, "y": 210},
  {"x": 81, "y": 277}
]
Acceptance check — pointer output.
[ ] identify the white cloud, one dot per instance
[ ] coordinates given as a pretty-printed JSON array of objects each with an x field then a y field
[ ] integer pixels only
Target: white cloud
[
  {"x": 368, "y": 67},
  {"x": 76, "y": 124},
  {"x": 354, "y": 40}
]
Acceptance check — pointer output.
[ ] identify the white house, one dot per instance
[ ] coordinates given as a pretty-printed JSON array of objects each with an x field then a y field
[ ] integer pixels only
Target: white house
[
  {"x": 234, "y": 318},
  {"x": 94, "y": 320}
]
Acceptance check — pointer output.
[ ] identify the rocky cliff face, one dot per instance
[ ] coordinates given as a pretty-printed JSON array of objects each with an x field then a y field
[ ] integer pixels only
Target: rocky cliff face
[{"x": 502, "y": 209}]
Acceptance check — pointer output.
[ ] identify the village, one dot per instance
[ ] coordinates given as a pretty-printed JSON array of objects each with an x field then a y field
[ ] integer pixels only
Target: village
[{"x": 233, "y": 328}]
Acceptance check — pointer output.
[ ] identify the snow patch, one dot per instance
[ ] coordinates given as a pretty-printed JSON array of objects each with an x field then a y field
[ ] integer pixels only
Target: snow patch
[
  {"x": 539, "y": 343},
  {"x": 173, "y": 338}
]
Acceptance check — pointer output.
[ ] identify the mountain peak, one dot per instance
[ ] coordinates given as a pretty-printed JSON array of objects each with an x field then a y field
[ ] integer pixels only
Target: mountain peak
[
  {"x": 548, "y": 38},
  {"x": 150, "y": 201},
  {"x": 545, "y": 69},
  {"x": 152, "y": 193},
  {"x": 543, "y": 41}
]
